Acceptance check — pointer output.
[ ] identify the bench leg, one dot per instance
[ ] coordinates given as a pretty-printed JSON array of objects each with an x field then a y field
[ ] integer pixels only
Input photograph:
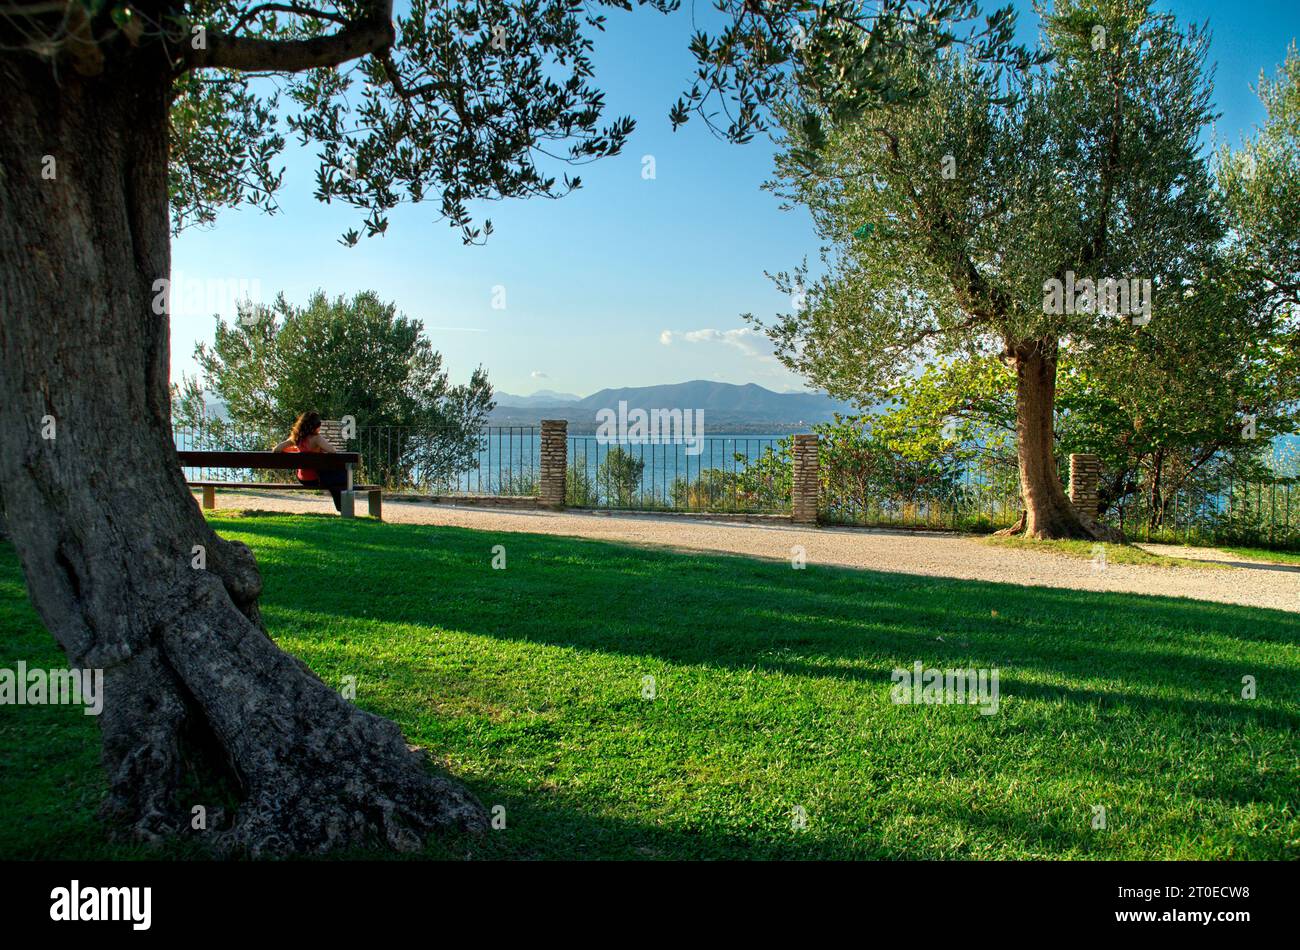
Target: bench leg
[
  {"x": 376, "y": 503},
  {"x": 347, "y": 504},
  {"x": 209, "y": 497}
]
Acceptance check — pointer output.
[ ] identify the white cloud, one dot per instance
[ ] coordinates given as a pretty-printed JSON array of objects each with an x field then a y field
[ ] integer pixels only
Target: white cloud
[
  {"x": 538, "y": 374},
  {"x": 749, "y": 341}
]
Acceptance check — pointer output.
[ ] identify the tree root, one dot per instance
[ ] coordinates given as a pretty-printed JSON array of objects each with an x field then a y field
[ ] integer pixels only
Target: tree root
[
  {"x": 1084, "y": 529},
  {"x": 1016, "y": 529},
  {"x": 298, "y": 769}
]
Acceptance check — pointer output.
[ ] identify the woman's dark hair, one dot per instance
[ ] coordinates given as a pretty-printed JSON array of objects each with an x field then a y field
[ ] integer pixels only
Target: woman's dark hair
[{"x": 307, "y": 425}]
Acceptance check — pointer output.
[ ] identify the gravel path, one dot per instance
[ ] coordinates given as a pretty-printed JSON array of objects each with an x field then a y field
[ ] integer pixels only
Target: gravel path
[{"x": 1253, "y": 584}]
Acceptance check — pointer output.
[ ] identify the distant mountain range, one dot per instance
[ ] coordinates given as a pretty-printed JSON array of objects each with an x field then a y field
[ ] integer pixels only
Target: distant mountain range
[
  {"x": 727, "y": 406},
  {"x": 543, "y": 397}
]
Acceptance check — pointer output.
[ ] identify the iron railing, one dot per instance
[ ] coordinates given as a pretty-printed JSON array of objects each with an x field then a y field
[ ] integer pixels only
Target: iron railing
[
  {"x": 726, "y": 473},
  {"x": 1222, "y": 510},
  {"x": 228, "y": 439},
  {"x": 740, "y": 473},
  {"x": 498, "y": 460},
  {"x": 979, "y": 494}
]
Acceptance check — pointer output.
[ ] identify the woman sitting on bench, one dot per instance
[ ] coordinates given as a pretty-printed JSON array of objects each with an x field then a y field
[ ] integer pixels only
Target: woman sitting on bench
[{"x": 305, "y": 437}]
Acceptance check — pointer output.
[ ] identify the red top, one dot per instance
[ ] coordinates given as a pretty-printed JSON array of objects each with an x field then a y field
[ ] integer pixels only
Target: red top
[{"x": 304, "y": 474}]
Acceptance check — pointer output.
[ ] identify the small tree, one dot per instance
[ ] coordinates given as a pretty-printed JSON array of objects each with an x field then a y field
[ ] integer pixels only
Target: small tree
[
  {"x": 620, "y": 476},
  {"x": 356, "y": 358},
  {"x": 580, "y": 489}
]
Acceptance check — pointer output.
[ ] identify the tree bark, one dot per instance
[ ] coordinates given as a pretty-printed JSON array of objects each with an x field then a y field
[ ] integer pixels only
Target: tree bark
[
  {"x": 198, "y": 699},
  {"x": 1048, "y": 513},
  {"x": 1156, "y": 515}
]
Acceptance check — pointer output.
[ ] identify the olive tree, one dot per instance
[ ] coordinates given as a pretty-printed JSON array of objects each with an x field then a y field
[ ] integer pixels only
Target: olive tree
[{"x": 1004, "y": 213}]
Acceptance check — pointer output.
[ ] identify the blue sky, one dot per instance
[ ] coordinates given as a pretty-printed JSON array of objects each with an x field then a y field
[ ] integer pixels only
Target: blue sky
[{"x": 628, "y": 281}]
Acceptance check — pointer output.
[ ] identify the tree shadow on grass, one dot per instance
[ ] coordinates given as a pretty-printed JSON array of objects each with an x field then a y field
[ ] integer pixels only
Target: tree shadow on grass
[
  {"x": 448, "y": 544},
  {"x": 543, "y": 824},
  {"x": 739, "y": 613}
]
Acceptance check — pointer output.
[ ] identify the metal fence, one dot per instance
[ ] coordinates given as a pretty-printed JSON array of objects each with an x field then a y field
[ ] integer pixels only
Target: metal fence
[
  {"x": 1221, "y": 510},
  {"x": 723, "y": 473},
  {"x": 228, "y": 439},
  {"x": 752, "y": 474},
  {"x": 498, "y": 460},
  {"x": 980, "y": 494},
  {"x": 744, "y": 474},
  {"x": 983, "y": 494}
]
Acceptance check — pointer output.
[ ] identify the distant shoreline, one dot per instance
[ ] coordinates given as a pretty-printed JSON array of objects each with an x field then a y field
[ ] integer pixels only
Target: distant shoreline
[{"x": 584, "y": 423}]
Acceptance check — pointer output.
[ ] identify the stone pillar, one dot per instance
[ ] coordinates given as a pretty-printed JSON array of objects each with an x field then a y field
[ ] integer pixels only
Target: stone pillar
[
  {"x": 1085, "y": 473},
  {"x": 807, "y": 481},
  {"x": 555, "y": 461}
]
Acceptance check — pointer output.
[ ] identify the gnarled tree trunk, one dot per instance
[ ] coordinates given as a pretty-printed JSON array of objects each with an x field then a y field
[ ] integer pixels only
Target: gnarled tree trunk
[
  {"x": 1048, "y": 513},
  {"x": 106, "y": 528}
]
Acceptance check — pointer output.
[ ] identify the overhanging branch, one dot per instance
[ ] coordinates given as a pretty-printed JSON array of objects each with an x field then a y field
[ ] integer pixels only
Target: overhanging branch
[{"x": 372, "y": 33}]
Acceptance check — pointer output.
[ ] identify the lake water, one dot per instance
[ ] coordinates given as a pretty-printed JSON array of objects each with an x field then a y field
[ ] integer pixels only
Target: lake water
[
  {"x": 509, "y": 459},
  {"x": 515, "y": 454}
]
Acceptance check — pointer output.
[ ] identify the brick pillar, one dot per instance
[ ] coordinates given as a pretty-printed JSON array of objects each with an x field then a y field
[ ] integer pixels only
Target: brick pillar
[
  {"x": 807, "y": 483},
  {"x": 555, "y": 461},
  {"x": 1085, "y": 472}
]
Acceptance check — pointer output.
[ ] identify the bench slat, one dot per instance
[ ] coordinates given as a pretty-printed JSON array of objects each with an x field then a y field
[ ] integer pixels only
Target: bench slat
[
  {"x": 316, "y": 461},
  {"x": 275, "y": 486}
]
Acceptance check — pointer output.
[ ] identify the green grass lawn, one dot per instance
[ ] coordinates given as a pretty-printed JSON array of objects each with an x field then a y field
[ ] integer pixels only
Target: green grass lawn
[{"x": 773, "y": 693}]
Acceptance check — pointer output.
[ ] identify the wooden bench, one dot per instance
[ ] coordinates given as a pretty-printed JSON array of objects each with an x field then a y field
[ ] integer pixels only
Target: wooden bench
[{"x": 315, "y": 461}]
